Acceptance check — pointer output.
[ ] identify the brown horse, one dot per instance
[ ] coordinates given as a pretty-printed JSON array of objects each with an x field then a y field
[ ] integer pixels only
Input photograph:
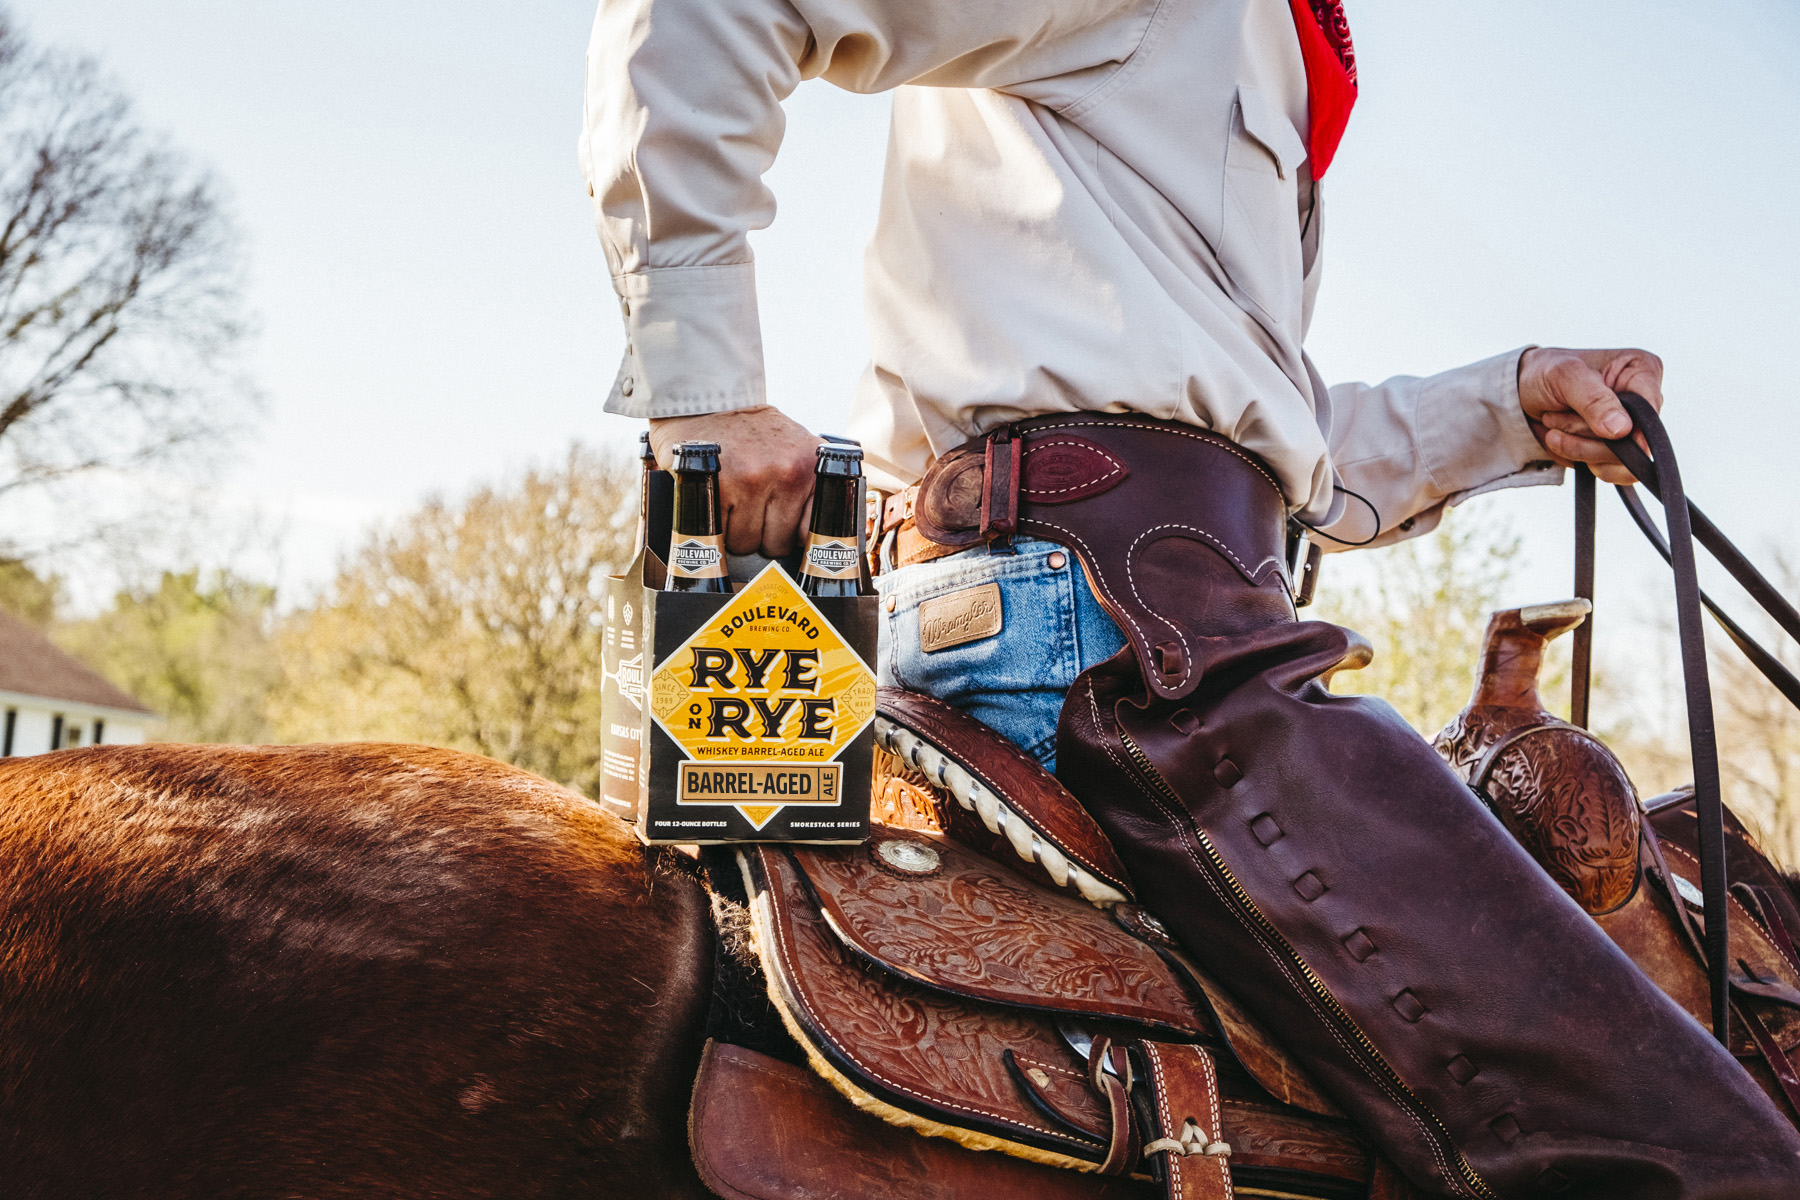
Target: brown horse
[{"x": 334, "y": 971}]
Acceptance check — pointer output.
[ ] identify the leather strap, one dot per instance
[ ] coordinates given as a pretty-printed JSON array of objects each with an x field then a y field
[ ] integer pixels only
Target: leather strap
[
  {"x": 1780, "y": 1065},
  {"x": 1660, "y": 474},
  {"x": 1110, "y": 1075},
  {"x": 1000, "y": 495},
  {"x": 762, "y": 1129},
  {"x": 893, "y": 516},
  {"x": 1771, "y": 667},
  {"x": 1582, "y": 681},
  {"x": 911, "y": 546},
  {"x": 1765, "y": 911},
  {"x": 1184, "y": 1090},
  {"x": 1744, "y": 982}
]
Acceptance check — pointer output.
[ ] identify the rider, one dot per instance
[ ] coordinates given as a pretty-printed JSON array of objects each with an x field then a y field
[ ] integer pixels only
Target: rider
[{"x": 1112, "y": 207}]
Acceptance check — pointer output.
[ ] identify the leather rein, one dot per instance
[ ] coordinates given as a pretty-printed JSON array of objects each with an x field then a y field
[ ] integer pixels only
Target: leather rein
[{"x": 1661, "y": 476}]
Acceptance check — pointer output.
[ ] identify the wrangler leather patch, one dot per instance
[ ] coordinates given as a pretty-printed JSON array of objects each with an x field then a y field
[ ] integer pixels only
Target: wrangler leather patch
[{"x": 961, "y": 617}]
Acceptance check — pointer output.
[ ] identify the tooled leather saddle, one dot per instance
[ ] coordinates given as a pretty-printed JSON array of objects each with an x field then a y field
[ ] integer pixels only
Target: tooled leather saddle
[
  {"x": 1634, "y": 866},
  {"x": 978, "y": 973}
]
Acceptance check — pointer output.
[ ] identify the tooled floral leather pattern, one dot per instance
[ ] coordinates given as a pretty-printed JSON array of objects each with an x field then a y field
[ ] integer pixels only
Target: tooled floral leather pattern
[
  {"x": 1266, "y": 1135},
  {"x": 979, "y": 930},
  {"x": 1466, "y": 738},
  {"x": 1562, "y": 794},
  {"x": 1569, "y": 803},
  {"x": 943, "y": 1057},
  {"x": 923, "y": 1051},
  {"x": 1017, "y": 778},
  {"x": 766, "y": 1130},
  {"x": 902, "y": 798}
]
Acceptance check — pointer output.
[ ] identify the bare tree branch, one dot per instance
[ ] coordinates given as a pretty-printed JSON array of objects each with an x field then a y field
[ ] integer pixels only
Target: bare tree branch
[{"x": 119, "y": 298}]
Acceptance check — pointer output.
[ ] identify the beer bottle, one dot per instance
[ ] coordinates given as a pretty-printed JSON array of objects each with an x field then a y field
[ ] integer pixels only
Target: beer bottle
[
  {"x": 647, "y": 459},
  {"x": 697, "y": 546},
  {"x": 833, "y": 564}
]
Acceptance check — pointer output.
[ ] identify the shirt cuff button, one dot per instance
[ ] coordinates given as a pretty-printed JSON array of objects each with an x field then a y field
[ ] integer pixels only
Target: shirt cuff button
[{"x": 627, "y": 386}]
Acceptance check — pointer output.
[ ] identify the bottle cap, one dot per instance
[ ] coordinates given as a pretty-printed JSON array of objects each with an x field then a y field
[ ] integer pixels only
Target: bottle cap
[
  {"x": 838, "y": 459},
  {"x": 697, "y": 456}
]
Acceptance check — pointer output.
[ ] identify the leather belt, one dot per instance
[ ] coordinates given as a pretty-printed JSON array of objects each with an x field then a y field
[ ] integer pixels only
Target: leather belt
[
  {"x": 891, "y": 514},
  {"x": 992, "y": 487},
  {"x": 1148, "y": 506}
]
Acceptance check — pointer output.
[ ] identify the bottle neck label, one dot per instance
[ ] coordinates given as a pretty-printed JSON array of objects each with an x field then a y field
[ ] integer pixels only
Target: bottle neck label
[
  {"x": 830, "y": 557},
  {"x": 697, "y": 556}
]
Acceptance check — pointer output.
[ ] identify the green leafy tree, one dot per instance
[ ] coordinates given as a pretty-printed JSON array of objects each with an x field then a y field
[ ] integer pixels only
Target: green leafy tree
[
  {"x": 474, "y": 624},
  {"x": 1424, "y": 608},
  {"x": 198, "y": 648},
  {"x": 26, "y": 594},
  {"x": 1758, "y": 730}
]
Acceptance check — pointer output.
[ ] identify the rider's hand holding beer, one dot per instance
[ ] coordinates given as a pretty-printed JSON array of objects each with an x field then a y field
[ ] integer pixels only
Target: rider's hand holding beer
[{"x": 765, "y": 481}]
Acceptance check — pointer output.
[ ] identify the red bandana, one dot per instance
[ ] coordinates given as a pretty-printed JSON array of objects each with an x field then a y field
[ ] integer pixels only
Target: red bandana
[{"x": 1330, "y": 75}]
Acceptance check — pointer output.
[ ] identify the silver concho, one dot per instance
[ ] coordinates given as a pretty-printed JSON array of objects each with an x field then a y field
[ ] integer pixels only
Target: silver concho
[
  {"x": 1142, "y": 925},
  {"x": 907, "y": 856}
]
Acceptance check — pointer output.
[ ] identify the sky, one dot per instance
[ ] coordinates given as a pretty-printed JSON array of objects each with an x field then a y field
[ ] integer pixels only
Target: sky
[{"x": 434, "y": 311}]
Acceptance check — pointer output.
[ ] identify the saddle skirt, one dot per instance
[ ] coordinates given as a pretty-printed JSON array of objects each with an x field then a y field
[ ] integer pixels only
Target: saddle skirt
[{"x": 978, "y": 973}]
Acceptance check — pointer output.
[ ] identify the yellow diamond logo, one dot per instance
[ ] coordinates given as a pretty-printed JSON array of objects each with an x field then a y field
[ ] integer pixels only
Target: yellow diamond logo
[{"x": 762, "y": 699}]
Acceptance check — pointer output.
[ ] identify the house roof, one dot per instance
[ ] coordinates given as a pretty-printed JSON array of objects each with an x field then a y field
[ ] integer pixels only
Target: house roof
[{"x": 31, "y": 665}]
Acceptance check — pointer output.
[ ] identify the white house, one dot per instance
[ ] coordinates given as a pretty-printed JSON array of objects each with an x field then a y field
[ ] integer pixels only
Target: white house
[{"x": 50, "y": 699}]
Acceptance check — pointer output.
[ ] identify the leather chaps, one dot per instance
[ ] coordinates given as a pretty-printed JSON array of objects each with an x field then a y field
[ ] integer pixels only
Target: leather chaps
[{"x": 1315, "y": 855}]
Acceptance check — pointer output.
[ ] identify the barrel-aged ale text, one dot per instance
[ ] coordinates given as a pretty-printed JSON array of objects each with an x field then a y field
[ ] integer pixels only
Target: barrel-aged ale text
[
  {"x": 833, "y": 563},
  {"x": 697, "y": 546}
]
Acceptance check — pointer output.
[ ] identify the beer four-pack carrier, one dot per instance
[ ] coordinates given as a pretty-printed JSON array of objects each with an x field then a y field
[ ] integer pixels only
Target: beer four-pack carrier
[{"x": 734, "y": 717}]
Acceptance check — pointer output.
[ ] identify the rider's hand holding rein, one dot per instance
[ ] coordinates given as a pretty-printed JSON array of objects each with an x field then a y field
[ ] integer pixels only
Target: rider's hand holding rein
[
  {"x": 1570, "y": 395},
  {"x": 765, "y": 473}
]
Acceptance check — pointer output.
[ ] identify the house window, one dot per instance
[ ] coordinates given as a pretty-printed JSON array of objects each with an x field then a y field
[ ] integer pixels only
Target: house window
[
  {"x": 72, "y": 735},
  {"x": 12, "y": 723},
  {"x": 56, "y": 724},
  {"x": 99, "y": 731}
]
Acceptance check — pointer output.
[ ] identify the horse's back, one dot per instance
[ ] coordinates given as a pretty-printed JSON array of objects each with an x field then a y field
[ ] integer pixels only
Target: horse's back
[{"x": 336, "y": 970}]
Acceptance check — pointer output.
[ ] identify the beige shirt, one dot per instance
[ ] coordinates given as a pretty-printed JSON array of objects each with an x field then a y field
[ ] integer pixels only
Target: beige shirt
[{"x": 1088, "y": 205}]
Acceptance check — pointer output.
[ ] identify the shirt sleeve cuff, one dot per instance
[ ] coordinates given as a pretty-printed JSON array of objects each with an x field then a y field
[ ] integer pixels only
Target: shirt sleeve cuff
[
  {"x": 693, "y": 343},
  {"x": 1473, "y": 435}
]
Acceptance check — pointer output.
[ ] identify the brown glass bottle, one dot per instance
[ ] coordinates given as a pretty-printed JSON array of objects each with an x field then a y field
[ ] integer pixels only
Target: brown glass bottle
[
  {"x": 833, "y": 563},
  {"x": 697, "y": 545},
  {"x": 647, "y": 459}
]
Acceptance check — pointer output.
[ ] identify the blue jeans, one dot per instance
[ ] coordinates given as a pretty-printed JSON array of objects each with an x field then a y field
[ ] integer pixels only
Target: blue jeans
[{"x": 1053, "y": 629}]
